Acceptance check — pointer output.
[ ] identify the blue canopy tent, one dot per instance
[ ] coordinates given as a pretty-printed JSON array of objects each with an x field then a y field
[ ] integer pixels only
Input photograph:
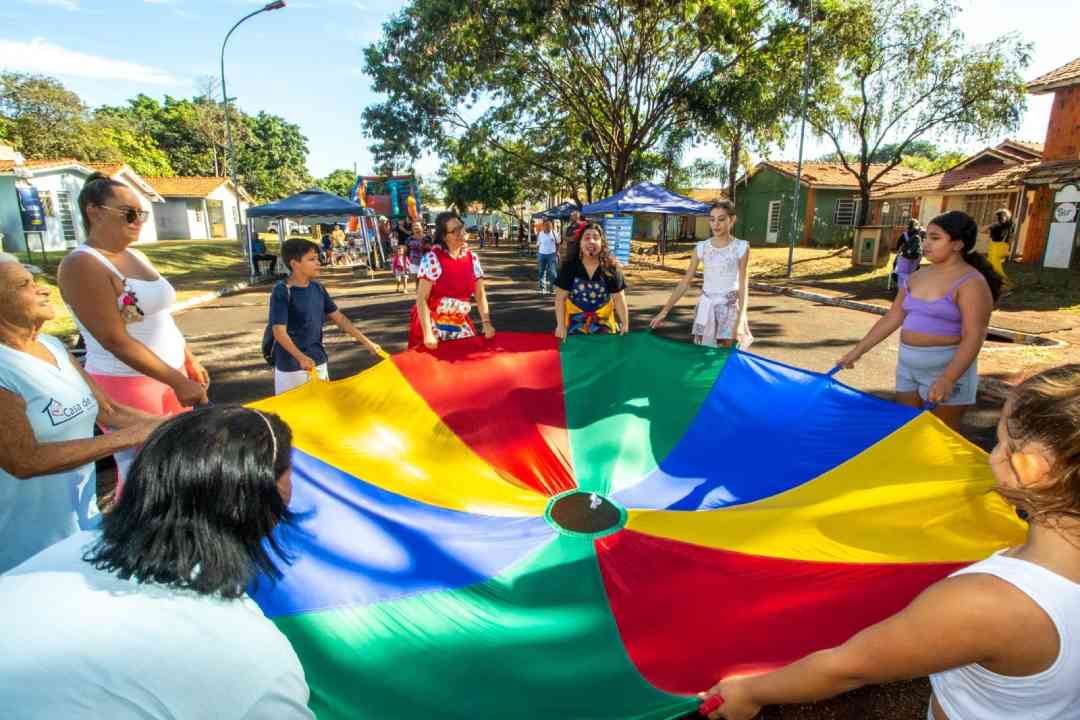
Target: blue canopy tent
[
  {"x": 317, "y": 203},
  {"x": 559, "y": 212},
  {"x": 647, "y": 198}
]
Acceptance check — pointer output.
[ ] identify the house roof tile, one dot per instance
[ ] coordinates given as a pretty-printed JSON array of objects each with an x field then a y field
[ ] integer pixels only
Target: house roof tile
[
  {"x": 1067, "y": 74},
  {"x": 969, "y": 179},
  {"x": 1054, "y": 172},
  {"x": 826, "y": 174},
  {"x": 188, "y": 186}
]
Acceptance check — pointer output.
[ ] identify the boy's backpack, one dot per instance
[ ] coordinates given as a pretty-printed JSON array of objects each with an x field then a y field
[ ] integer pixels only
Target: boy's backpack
[
  {"x": 911, "y": 246},
  {"x": 268, "y": 333}
]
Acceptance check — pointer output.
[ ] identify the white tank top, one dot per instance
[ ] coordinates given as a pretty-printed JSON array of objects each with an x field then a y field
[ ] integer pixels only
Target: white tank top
[
  {"x": 721, "y": 265},
  {"x": 156, "y": 328},
  {"x": 972, "y": 692}
]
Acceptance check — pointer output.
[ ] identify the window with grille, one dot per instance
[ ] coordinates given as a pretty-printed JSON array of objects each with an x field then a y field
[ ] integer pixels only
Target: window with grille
[
  {"x": 846, "y": 211},
  {"x": 982, "y": 207},
  {"x": 896, "y": 213},
  {"x": 67, "y": 218},
  {"x": 774, "y": 217}
]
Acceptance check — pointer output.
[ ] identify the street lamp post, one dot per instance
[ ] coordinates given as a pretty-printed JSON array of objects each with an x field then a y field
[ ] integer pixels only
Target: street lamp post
[
  {"x": 802, "y": 135},
  {"x": 230, "y": 157}
]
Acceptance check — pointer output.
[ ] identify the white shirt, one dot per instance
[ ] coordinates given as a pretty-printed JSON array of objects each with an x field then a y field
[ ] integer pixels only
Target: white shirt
[
  {"x": 972, "y": 692},
  {"x": 155, "y": 329},
  {"x": 77, "y": 642},
  {"x": 39, "y": 511},
  {"x": 721, "y": 265},
  {"x": 546, "y": 243}
]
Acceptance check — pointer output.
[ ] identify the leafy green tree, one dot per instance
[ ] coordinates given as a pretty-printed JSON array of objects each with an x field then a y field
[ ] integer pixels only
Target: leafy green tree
[
  {"x": 620, "y": 72},
  {"x": 272, "y": 163},
  {"x": 41, "y": 117},
  {"x": 116, "y": 141},
  {"x": 340, "y": 182},
  {"x": 905, "y": 73}
]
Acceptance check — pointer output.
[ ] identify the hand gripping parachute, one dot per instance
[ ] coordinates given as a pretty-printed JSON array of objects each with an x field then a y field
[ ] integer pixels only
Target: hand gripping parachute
[{"x": 602, "y": 528}]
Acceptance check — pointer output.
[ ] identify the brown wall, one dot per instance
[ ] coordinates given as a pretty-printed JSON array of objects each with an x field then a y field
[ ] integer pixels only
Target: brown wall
[
  {"x": 1038, "y": 226},
  {"x": 1063, "y": 132}
]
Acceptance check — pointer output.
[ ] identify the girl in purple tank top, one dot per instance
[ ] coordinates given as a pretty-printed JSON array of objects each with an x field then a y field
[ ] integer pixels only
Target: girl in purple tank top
[{"x": 942, "y": 315}]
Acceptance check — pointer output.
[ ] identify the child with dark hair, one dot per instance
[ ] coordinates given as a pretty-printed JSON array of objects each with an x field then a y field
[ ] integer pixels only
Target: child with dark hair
[
  {"x": 298, "y": 308},
  {"x": 942, "y": 315},
  {"x": 1000, "y": 638},
  {"x": 149, "y": 617},
  {"x": 590, "y": 292}
]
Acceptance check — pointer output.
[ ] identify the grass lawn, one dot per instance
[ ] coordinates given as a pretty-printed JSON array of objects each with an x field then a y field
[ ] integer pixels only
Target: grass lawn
[
  {"x": 193, "y": 267},
  {"x": 831, "y": 268}
]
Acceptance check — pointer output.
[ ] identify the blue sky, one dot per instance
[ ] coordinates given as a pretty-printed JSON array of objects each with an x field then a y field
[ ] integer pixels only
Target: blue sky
[{"x": 305, "y": 62}]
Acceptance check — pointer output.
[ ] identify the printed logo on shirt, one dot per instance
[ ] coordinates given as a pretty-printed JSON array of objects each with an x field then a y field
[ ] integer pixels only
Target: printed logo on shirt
[{"x": 59, "y": 414}]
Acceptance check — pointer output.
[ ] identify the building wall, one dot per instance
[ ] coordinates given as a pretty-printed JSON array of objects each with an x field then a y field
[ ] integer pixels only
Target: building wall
[
  {"x": 232, "y": 217},
  {"x": 171, "y": 220},
  {"x": 10, "y": 220},
  {"x": 55, "y": 183},
  {"x": 1042, "y": 204},
  {"x": 1063, "y": 131},
  {"x": 820, "y": 228},
  {"x": 752, "y": 206}
]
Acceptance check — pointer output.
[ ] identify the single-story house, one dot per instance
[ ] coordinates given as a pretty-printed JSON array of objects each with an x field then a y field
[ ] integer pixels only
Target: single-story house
[
  {"x": 59, "y": 183},
  {"x": 1054, "y": 184},
  {"x": 979, "y": 185},
  {"x": 199, "y": 208},
  {"x": 828, "y": 202}
]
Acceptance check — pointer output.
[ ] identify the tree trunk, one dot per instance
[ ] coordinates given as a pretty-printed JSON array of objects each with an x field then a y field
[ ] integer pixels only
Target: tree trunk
[
  {"x": 733, "y": 163},
  {"x": 864, "y": 201}
]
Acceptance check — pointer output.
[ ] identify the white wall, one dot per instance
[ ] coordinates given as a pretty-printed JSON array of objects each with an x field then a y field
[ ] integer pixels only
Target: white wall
[
  {"x": 54, "y": 183},
  {"x": 228, "y": 198},
  {"x": 171, "y": 219}
]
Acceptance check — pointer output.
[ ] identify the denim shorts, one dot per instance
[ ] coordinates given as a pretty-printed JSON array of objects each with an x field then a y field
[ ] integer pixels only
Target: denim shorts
[{"x": 917, "y": 368}]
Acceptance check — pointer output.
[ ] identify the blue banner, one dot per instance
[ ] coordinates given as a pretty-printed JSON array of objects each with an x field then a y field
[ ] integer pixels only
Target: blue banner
[{"x": 619, "y": 231}]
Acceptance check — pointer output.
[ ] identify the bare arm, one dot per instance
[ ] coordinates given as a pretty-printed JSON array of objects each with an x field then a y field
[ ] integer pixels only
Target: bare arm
[
  {"x": 338, "y": 318},
  {"x": 622, "y": 311},
  {"x": 882, "y": 329},
  {"x": 560, "y": 312},
  {"x": 113, "y": 414},
  {"x": 956, "y": 622},
  {"x": 485, "y": 312},
  {"x": 679, "y": 291},
  {"x": 744, "y": 286},
  {"x": 24, "y": 457},
  {"x": 88, "y": 289},
  {"x": 423, "y": 312}
]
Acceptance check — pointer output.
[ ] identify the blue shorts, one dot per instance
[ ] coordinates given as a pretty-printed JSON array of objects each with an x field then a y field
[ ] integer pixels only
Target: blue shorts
[{"x": 917, "y": 368}]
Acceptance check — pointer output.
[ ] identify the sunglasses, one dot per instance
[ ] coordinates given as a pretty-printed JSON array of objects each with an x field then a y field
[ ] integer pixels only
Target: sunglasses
[{"x": 131, "y": 215}]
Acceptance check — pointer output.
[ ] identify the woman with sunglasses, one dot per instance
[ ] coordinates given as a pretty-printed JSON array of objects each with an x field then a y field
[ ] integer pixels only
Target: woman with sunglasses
[
  {"x": 122, "y": 306},
  {"x": 450, "y": 275}
]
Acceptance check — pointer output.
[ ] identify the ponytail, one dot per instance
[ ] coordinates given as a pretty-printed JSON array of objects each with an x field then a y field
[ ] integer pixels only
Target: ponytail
[{"x": 961, "y": 227}]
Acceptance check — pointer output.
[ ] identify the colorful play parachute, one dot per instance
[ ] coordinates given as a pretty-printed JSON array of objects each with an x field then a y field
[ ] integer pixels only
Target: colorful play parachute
[{"x": 600, "y": 528}]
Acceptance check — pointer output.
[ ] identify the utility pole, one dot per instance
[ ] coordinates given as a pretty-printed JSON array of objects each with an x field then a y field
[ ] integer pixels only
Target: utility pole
[{"x": 802, "y": 136}]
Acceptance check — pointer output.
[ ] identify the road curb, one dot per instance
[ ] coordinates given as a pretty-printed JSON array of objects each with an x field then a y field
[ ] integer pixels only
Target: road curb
[{"x": 1021, "y": 338}]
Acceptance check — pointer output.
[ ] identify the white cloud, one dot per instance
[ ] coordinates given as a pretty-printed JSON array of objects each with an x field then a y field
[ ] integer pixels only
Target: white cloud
[
  {"x": 157, "y": 2},
  {"x": 69, "y": 5},
  {"x": 41, "y": 56}
]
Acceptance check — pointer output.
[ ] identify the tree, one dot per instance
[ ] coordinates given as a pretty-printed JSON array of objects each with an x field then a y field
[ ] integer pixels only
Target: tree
[
  {"x": 41, "y": 117},
  {"x": 272, "y": 162},
  {"x": 618, "y": 71},
  {"x": 340, "y": 182},
  {"x": 114, "y": 140},
  {"x": 905, "y": 73}
]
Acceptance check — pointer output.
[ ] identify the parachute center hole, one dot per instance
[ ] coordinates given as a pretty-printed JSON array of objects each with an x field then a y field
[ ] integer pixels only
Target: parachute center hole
[{"x": 585, "y": 513}]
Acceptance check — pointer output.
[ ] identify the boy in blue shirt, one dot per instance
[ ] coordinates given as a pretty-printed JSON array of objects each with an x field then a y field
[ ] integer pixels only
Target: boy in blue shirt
[{"x": 298, "y": 308}]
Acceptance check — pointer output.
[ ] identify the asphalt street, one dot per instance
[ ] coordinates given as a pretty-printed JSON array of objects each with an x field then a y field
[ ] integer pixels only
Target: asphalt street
[{"x": 225, "y": 334}]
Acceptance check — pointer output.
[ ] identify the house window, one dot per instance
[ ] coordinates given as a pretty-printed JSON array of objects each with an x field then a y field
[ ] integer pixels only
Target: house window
[
  {"x": 846, "y": 211},
  {"x": 895, "y": 213},
  {"x": 982, "y": 207},
  {"x": 67, "y": 218}
]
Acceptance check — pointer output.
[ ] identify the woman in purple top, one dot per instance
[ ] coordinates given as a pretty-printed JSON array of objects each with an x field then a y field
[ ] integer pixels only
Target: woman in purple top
[{"x": 942, "y": 314}]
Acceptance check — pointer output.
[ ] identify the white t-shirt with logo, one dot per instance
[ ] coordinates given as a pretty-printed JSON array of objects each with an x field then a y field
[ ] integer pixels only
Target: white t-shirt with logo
[
  {"x": 545, "y": 243},
  {"x": 80, "y": 643},
  {"x": 39, "y": 511}
]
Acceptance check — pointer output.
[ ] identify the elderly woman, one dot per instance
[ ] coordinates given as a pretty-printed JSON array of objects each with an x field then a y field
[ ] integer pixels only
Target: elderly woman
[
  {"x": 449, "y": 277},
  {"x": 48, "y": 407},
  {"x": 122, "y": 306},
  {"x": 149, "y": 617}
]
